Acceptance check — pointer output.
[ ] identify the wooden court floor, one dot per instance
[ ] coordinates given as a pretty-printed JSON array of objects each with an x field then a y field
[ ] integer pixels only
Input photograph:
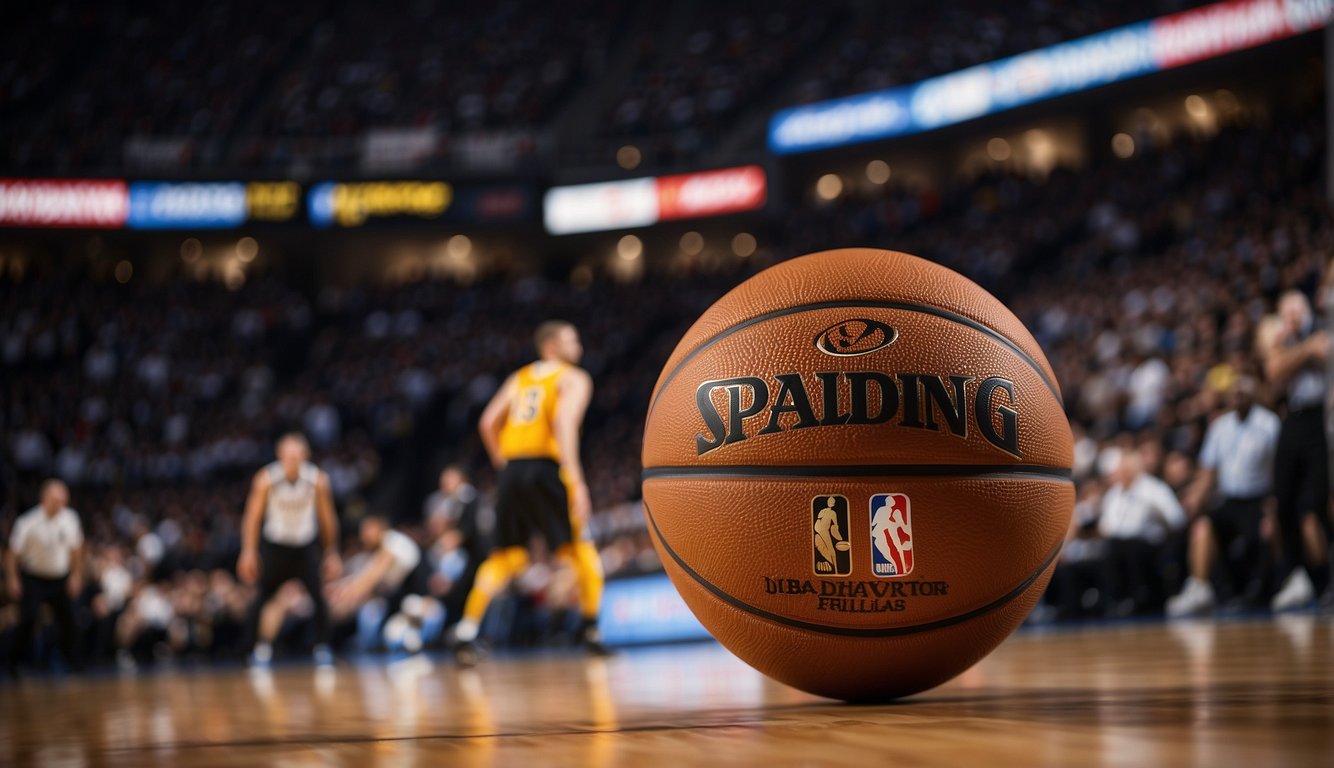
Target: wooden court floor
[{"x": 1255, "y": 693}]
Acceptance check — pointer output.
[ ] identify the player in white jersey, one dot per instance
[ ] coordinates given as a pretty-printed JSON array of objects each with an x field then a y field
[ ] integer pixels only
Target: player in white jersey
[{"x": 290, "y": 531}]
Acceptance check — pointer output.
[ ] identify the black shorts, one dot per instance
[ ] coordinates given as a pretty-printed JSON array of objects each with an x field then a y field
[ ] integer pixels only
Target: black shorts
[
  {"x": 1235, "y": 518},
  {"x": 531, "y": 500},
  {"x": 280, "y": 563}
]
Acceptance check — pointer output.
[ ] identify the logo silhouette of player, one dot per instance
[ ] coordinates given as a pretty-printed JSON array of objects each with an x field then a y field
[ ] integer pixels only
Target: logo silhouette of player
[
  {"x": 891, "y": 533},
  {"x": 828, "y": 537}
]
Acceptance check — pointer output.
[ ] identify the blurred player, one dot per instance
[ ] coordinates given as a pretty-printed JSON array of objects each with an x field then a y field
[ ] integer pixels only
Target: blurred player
[
  {"x": 531, "y": 432},
  {"x": 1295, "y": 355},
  {"x": 289, "y": 531},
  {"x": 453, "y": 519},
  {"x": 45, "y": 566},
  {"x": 396, "y": 571}
]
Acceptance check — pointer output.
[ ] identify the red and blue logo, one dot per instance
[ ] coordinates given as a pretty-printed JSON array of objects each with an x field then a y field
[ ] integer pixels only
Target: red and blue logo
[{"x": 891, "y": 534}]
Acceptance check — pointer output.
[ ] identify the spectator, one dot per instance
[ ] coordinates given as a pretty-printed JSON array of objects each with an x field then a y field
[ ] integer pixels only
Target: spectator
[
  {"x": 1238, "y": 459},
  {"x": 1138, "y": 512}
]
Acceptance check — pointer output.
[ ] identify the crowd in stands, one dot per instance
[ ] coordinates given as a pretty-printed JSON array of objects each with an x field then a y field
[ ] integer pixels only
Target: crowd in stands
[
  {"x": 683, "y": 91},
  {"x": 253, "y": 85}
]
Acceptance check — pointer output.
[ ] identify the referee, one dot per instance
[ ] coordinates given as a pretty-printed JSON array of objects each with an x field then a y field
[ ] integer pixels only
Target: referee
[
  {"x": 1295, "y": 357},
  {"x": 45, "y": 565}
]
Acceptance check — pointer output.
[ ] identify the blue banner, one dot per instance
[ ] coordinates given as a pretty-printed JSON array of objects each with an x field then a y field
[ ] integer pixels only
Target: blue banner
[
  {"x": 187, "y": 205},
  {"x": 646, "y": 609},
  {"x": 970, "y": 93},
  {"x": 1078, "y": 65}
]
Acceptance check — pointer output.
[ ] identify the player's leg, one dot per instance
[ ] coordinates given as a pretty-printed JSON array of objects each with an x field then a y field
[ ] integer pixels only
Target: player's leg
[
  {"x": 312, "y": 580},
  {"x": 1295, "y": 588},
  {"x": 62, "y": 610},
  {"x": 1316, "y": 498},
  {"x": 1197, "y": 594},
  {"x": 274, "y": 569},
  {"x": 507, "y": 559},
  {"x": 30, "y": 606},
  {"x": 568, "y": 537}
]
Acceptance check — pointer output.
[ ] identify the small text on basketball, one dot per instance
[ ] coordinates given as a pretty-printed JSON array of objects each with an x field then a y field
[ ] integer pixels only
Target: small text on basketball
[{"x": 857, "y": 596}]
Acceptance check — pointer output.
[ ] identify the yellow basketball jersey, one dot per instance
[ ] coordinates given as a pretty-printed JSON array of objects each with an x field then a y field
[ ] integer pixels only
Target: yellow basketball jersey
[{"x": 528, "y": 433}]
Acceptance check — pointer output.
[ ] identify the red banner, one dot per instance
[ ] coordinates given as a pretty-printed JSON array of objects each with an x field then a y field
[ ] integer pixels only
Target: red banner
[
  {"x": 711, "y": 193},
  {"x": 99, "y": 203}
]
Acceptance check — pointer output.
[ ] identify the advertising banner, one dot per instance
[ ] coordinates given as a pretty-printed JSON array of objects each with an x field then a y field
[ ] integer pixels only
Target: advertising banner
[
  {"x": 1078, "y": 65},
  {"x": 187, "y": 205},
  {"x": 73, "y": 203}
]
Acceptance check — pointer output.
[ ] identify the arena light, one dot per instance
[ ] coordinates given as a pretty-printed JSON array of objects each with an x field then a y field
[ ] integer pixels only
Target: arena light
[
  {"x": 247, "y": 248},
  {"x": 1077, "y": 65},
  {"x": 692, "y": 243},
  {"x": 829, "y": 186},
  {"x": 630, "y": 248},
  {"x": 459, "y": 246},
  {"x": 629, "y": 157},
  {"x": 744, "y": 245},
  {"x": 1123, "y": 146},
  {"x": 877, "y": 172}
]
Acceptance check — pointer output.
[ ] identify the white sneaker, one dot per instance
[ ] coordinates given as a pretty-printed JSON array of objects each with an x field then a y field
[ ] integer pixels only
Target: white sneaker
[
  {"x": 261, "y": 656},
  {"x": 1297, "y": 592},
  {"x": 1196, "y": 599}
]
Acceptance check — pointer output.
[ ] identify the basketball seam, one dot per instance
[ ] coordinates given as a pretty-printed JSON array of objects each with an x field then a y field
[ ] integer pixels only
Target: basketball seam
[
  {"x": 990, "y": 471},
  {"x": 944, "y": 314},
  {"x": 852, "y": 631}
]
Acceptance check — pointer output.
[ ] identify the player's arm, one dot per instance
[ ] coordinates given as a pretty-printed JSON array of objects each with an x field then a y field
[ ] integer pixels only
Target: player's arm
[
  {"x": 493, "y": 418},
  {"x": 573, "y": 392},
  {"x": 75, "y": 583},
  {"x": 1281, "y": 362},
  {"x": 324, "y": 507},
  {"x": 12, "y": 562},
  {"x": 247, "y": 567}
]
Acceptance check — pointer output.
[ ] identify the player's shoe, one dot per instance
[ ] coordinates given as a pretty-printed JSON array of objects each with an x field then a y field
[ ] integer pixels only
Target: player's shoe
[
  {"x": 591, "y": 639},
  {"x": 261, "y": 657},
  {"x": 466, "y": 654},
  {"x": 1297, "y": 593},
  {"x": 322, "y": 656},
  {"x": 1195, "y": 599}
]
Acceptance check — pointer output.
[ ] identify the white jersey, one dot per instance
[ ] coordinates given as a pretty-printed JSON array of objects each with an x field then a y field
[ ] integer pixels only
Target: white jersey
[
  {"x": 290, "y": 518},
  {"x": 44, "y": 544}
]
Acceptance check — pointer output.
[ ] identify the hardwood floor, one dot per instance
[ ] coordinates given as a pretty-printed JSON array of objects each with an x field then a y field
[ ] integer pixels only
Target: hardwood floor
[{"x": 1257, "y": 693}]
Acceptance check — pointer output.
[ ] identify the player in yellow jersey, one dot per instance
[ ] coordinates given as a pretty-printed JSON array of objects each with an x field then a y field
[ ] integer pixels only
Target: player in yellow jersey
[{"x": 531, "y": 432}]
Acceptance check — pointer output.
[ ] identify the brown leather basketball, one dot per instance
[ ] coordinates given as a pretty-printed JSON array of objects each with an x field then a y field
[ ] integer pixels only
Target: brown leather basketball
[{"x": 857, "y": 472}]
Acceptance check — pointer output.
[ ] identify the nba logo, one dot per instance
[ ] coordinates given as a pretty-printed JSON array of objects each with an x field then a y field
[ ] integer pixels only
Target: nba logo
[
  {"x": 831, "y": 551},
  {"x": 891, "y": 534}
]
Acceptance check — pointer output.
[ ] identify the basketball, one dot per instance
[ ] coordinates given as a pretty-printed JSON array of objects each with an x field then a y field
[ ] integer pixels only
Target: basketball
[{"x": 857, "y": 472}]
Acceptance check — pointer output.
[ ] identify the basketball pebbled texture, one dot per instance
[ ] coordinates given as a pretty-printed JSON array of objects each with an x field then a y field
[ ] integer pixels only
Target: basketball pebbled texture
[{"x": 752, "y": 432}]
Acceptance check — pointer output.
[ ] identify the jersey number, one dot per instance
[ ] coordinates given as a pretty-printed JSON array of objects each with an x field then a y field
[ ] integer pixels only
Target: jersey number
[{"x": 526, "y": 406}]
